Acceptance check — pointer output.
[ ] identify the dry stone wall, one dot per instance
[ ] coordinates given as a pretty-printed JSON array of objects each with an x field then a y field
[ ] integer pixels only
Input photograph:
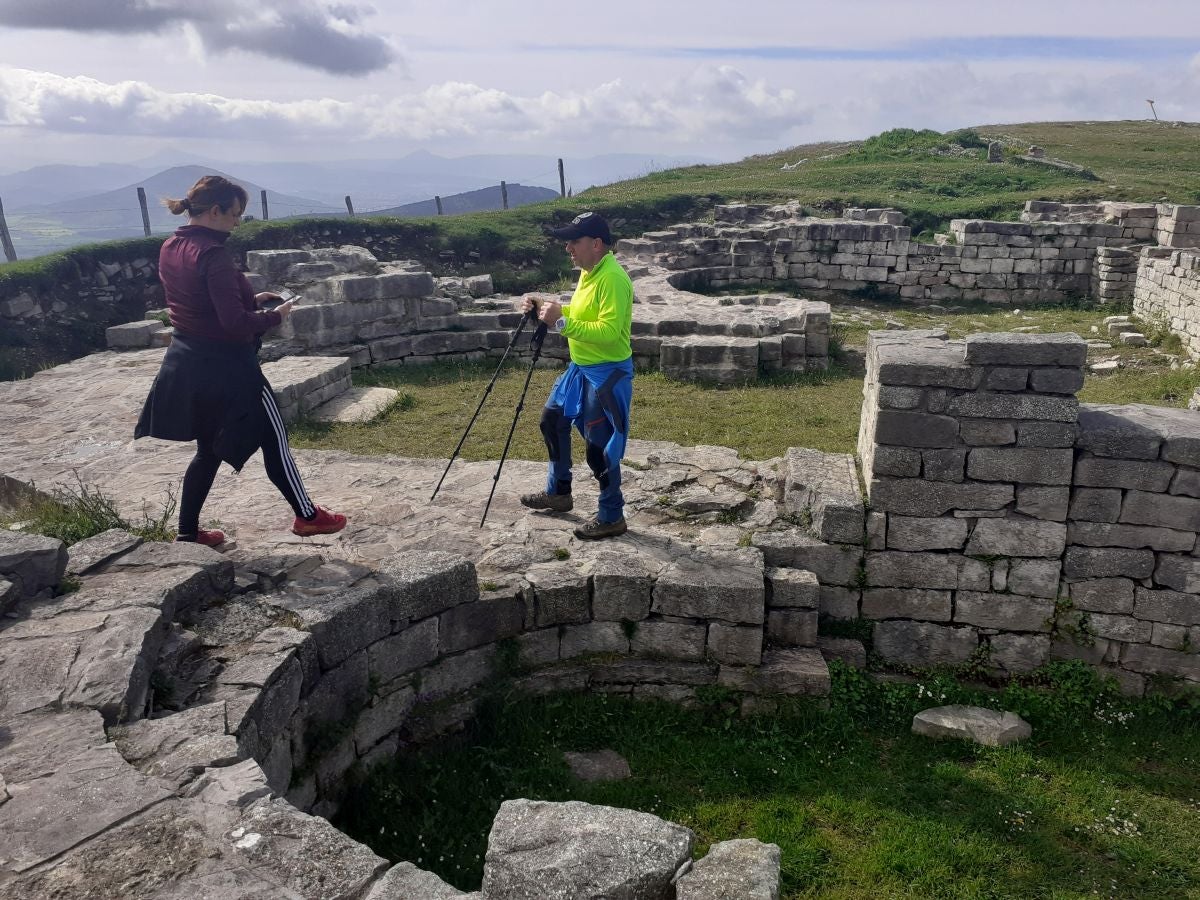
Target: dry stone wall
[
  {"x": 1168, "y": 293},
  {"x": 1058, "y": 251},
  {"x": 1019, "y": 526}
]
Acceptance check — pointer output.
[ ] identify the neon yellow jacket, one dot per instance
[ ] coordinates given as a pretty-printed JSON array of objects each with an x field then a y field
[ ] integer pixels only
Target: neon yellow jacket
[{"x": 597, "y": 320}]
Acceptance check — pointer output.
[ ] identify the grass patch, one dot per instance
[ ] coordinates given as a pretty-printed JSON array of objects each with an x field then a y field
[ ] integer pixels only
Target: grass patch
[
  {"x": 1103, "y": 799},
  {"x": 760, "y": 419},
  {"x": 72, "y": 514},
  {"x": 822, "y": 412}
]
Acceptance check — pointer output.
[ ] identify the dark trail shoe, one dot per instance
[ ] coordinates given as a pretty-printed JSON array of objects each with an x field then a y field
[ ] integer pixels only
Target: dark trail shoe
[
  {"x": 595, "y": 529},
  {"x": 542, "y": 500}
]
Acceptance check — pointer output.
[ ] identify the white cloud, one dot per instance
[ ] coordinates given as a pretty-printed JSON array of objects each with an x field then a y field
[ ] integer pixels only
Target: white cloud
[
  {"x": 709, "y": 98},
  {"x": 310, "y": 33}
]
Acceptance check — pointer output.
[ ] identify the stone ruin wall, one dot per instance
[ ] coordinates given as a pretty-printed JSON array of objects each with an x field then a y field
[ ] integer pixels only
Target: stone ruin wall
[
  {"x": 1013, "y": 525},
  {"x": 1057, "y": 252},
  {"x": 1168, "y": 292},
  {"x": 1007, "y": 526}
]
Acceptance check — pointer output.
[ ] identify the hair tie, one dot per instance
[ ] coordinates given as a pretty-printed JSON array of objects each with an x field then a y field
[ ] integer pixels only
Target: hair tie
[{"x": 187, "y": 205}]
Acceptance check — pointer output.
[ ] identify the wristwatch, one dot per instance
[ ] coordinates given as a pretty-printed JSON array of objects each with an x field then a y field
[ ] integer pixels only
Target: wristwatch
[{"x": 560, "y": 324}]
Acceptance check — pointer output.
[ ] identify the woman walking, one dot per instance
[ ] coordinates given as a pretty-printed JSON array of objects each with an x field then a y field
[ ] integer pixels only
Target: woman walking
[{"x": 210, "y": 388}]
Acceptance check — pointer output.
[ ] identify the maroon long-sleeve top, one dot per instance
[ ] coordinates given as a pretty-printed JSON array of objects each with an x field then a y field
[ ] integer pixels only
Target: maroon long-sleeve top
[{"x": 207, "y": 296}]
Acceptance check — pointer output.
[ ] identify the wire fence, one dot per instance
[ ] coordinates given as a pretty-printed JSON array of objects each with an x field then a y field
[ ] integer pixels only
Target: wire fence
[{"x": 47, "y": 225}]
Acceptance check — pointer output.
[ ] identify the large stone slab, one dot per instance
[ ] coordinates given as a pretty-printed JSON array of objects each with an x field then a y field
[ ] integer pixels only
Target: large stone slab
[
  {"x": 825, "y": 486},
  {"x": 1013, "y": 349},
  {"x": 37, "y": 744},
  {"x": 404, "y": 881},
  {"x": 799, "y": 671},
  {"x": 724, "y": 585},
  {"x": 180, "y": 747},
  {"x": 917, "y": 497},
  {"x": 94, "y": 552},
  {"x": 989, "y": 727},
  {"x": 746, "y": 869},
  {"x": 91, "y": 793},
  {"x": 425, "y": 582},
  {"x": 576, "y": 851},
  {"x": 924, "y": 644},
  {"x": 832, "y": 564},
  {"x": 38, "y": 562},
  {"x": 1017, "y": 537}
]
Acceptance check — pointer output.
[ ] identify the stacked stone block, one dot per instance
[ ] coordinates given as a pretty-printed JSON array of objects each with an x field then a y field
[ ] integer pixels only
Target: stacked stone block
[
  {"x": 1138, "y": 221},
  {"x": 995, "y": 262},
  {"x": 1178, "y": 226},
  {"x": 755, "y": 244},
  {"x": 1114, "y": 275},
  {"x": 1019, "y": 526},
  {"x": 1129, "y": 568},
  {"x": 967, "y": 453},
  {"x": 398, "y": 657},
  {"x": 1167, "y": 291}
]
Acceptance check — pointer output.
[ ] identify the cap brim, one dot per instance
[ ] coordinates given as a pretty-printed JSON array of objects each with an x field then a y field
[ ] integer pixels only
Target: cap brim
[{"x": 566, "y": 233}]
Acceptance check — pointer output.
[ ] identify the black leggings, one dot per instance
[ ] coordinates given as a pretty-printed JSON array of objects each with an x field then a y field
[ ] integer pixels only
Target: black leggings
[{"x": 277, "y": 458}]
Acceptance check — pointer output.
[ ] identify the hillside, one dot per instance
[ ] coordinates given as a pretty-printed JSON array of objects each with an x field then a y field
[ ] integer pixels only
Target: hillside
[{"x": 933, "y": 178}]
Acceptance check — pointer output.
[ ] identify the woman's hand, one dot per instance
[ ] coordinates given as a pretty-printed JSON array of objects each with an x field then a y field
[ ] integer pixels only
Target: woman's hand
[
  {"x": 285, "y": 309},
  {"x": 266, "y": 297}
]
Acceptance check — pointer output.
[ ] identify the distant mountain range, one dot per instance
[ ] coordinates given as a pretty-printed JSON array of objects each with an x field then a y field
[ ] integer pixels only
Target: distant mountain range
[{"x": 52, "y": 207}]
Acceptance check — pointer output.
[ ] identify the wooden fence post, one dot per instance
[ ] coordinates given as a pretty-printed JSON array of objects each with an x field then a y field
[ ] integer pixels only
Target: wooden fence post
[
  {"x": 264, "y": 205},
  {"x": 145, "y": 212},
  {"x": 349, "y": 205},
  {"x": 504, "y": 194},
  {"x": 438, "y": 201},
  {"x": 9, "y": 253},
  {"x": 562, "y": 180}
]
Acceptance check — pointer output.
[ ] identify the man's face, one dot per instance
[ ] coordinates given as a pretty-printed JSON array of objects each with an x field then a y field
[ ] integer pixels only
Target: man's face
[{"x": 585, "y": 252}]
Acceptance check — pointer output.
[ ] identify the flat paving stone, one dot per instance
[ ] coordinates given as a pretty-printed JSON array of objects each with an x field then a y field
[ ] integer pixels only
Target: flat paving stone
[{"x": 990, "y": 727}]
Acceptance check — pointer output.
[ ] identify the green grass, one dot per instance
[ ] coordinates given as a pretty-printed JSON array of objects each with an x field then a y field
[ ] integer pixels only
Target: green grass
[
  {"x": 1105, "y": 798},
  {"x": 760, "y": 420},
  {"x": 82, "y": 511}
]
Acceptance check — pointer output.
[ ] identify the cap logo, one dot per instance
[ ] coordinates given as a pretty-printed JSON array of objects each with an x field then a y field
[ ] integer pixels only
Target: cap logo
[{"x": 579, "y": 218}]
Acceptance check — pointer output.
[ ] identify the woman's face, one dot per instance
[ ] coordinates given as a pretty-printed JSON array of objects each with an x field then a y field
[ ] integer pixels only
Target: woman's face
[{"x": 228, "y": 220}]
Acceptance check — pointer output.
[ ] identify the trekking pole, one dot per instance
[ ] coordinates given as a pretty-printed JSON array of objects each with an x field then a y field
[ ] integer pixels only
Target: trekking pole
[
  {"x": 535, "y": 343},
  {"x": 527, "y": 317}
]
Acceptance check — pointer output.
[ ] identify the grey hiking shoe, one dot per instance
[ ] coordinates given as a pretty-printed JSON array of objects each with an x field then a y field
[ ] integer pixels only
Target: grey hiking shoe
[
  {"x": 595, "y": 529},
  {"x": 543, "y": 500}
]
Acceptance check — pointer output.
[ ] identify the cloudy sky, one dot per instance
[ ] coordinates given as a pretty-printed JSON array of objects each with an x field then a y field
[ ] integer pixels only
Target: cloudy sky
[{"x": 119, "y": 80}]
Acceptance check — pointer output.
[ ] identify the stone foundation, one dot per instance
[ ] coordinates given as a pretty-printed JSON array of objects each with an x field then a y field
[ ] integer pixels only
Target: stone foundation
[{"x": 1168, "y": 293}]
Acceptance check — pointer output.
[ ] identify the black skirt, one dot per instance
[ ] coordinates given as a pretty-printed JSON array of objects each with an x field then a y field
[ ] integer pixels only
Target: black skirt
[{"x": 210, "y": 391}]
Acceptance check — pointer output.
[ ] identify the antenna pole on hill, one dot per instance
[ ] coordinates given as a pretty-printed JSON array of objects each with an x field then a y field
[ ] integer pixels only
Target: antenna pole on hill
[
  {"x": 1151, "y": 102},
  {"x": 9, "y": 253},
  {"x": 349, "y": 205},
  {"x": 145, "y": 212},
  {"x": 562, "y": 180},
  {"x": 438, "y": 201},
  {"x": 264, "y": 205}
]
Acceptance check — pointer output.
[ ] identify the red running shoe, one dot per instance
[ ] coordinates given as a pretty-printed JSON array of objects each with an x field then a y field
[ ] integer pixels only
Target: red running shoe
[
  {"x": 207, "y": 538},
  {"x": 324, "y": 522}
]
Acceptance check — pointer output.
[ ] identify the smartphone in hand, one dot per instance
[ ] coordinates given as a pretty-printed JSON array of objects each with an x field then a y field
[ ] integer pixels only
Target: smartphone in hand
[{"x": 285, "y": 296}]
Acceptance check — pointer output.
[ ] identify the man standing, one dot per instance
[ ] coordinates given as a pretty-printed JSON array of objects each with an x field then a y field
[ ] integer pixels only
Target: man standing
[{"x": 596, "y": 391}]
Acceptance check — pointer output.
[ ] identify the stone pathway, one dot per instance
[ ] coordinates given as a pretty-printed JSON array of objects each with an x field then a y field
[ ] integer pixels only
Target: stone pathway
[{"x": 75, "y": 424}]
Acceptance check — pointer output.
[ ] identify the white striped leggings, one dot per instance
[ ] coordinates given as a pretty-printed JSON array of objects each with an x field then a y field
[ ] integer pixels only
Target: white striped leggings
[{"x": 277, "y": 457}]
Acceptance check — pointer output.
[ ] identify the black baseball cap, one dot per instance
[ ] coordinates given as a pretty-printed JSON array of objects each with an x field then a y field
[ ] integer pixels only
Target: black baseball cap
[{"x": 588, "y": 224}]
